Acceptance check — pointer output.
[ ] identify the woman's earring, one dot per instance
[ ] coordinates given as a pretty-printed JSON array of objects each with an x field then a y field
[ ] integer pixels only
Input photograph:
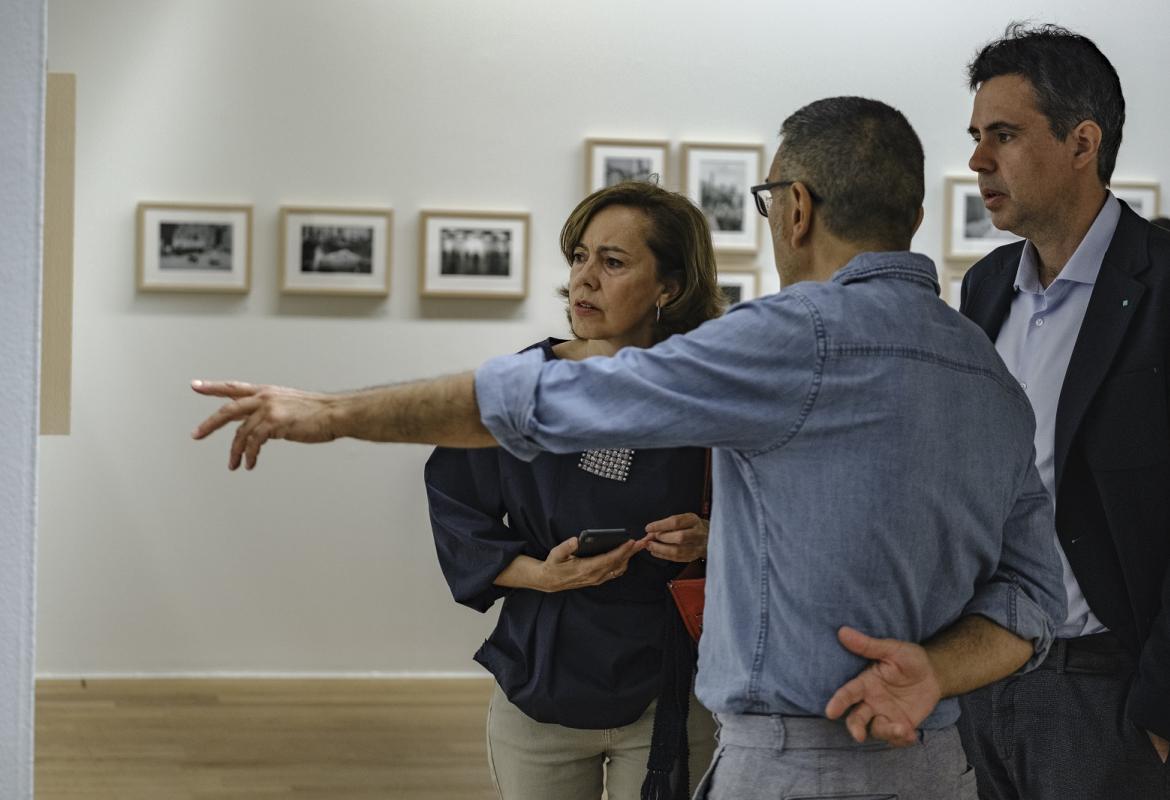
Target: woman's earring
[{"x": 657, "y": 313}]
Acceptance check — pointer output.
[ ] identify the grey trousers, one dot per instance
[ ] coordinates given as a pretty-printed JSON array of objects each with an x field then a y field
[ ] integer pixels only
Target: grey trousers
[
  {"x": 809, "y": 758},
  {"x": 1060, "y": 731}
]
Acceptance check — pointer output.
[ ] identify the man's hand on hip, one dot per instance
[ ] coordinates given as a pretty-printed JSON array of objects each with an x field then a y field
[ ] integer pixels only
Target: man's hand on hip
[{"x": 890, "y": 697}]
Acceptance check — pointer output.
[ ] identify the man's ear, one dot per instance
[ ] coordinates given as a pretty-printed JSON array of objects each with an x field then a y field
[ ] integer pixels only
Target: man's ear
[
  {"x": 918, "y": 222},
  {"x": 800, "y": 214},
  {"x": 1086, "y": 141}
]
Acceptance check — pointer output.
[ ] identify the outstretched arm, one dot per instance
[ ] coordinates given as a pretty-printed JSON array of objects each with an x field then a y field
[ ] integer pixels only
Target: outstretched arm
[
  {"x": 905, "y": 681},
  {"x": 437, "y": 411}
]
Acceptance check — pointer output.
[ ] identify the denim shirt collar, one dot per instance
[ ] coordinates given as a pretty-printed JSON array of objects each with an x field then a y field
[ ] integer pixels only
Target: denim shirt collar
[{"x": 901, "y": 264}]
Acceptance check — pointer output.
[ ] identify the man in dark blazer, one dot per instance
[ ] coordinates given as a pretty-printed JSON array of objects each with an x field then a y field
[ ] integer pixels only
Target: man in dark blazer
[{"x": 1080, "y": 313}]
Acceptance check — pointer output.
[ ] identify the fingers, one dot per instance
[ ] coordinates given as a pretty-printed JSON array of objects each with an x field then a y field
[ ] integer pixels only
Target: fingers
[
  {"x": 895, "y": 733},
  {"x": 234, "y": 389},
  {"x": 848, "y": 695},
  {"x": 867, "y": 647},
  {"x": 256, "y": 440},
  {"x": 672, "y": 523},
  {"x": 240, "y": 440},
  {"x": 563, "y": 551},
  {"x": 858, "y": 722},
  {"x": 227, "y": 413}
]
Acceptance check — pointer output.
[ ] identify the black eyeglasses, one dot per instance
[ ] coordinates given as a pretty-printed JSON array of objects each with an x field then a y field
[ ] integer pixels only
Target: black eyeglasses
[{"x": 763, "y": 194}]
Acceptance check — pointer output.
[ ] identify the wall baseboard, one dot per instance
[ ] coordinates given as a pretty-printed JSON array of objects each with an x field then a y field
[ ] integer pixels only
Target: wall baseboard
[{"x": 268, "y": 676}]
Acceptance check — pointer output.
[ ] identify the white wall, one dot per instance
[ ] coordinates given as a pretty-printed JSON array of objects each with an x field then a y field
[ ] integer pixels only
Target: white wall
[
  {"x": 22, "y": 92},
  {"x": 153, "y": 557}
]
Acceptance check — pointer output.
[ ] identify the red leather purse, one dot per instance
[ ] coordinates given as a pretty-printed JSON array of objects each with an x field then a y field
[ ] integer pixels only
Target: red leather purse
[{"x": 688, "y": 588}]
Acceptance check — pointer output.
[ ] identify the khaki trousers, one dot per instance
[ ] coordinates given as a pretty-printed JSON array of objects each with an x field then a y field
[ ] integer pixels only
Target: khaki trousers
[{"x": 532, "y": 760}]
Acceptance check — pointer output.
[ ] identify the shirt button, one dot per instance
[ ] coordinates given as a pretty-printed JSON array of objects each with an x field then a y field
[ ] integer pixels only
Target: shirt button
[
  {"x": 1023, "y": 385},
  {"x": 1039, "y": 322}
]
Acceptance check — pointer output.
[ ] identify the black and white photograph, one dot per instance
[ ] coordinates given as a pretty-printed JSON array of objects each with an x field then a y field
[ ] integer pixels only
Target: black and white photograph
[
  {"x": 475, "y": 251},
  {"x": 718, "y": 178},
  {"x": 611, "y": 161},
  {"x": 738, "y": 286},
  {"x": 473, "y": 254},
  {"x": 335, "y": 250},
  {"x": 194, "y": 248},
  {"x": 721, "y": 197},
  {"x": 970, "y": 232}
]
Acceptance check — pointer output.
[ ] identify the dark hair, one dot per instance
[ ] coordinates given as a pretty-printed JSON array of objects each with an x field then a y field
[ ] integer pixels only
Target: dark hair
[
  {"x": 864, "y": 161},
  {"x": 680, "y": 240},
  {"x": 1072, "y": 79}
]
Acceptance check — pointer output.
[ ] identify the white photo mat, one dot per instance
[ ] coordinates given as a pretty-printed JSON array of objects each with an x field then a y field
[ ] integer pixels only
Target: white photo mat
[
  {"x": 436, "y": 227},
  {"x": 718, "y": 178},
  {"x": 194, "y": 264},
  {"x": 608, "y": 161},
  {"x": 374, "y": 279}
]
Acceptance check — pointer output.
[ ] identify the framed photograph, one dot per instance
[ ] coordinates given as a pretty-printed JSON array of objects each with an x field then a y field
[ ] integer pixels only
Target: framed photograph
[
  {"x": 335, "y": 250},
  {"x": 738, "y": 286},
  {"x": 473, "y": 254},
  {"x": 1142, "y": 196},
  {"x": 194, "y": 248},
  {"x": 717, "y": 177},
  {"x": 610, "y": 161},
  {"x": 969, "y": 233}
]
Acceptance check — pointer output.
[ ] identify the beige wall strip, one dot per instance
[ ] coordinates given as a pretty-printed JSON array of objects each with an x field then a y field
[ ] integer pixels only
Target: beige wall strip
[{"x": 57, "y": 288}]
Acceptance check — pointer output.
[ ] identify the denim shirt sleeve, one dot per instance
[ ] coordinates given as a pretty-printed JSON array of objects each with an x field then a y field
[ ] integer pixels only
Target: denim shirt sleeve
[
  {"x": 1026, "y": 594},
  {"x": 742, "y": 381}
]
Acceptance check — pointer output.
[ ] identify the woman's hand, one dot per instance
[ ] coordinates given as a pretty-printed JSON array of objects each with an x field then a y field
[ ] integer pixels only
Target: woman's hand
[
  {"x": 682, "y": 537},
  {"x": 562, "y": 570}
]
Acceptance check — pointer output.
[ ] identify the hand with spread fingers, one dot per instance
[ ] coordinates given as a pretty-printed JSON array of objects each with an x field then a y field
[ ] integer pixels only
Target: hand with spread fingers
[
  {"x": 682, "y": 537},
  {"x": 890, "y": 697},
  {"x": 265, "y": 412}
]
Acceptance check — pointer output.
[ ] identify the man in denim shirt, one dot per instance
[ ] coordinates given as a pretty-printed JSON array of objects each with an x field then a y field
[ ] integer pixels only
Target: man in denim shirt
[{"x": 873, "y": 469}]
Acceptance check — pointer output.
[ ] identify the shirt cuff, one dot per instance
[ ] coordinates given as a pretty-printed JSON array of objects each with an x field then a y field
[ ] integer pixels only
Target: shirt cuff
[
  {"x": 505, "y": 389},
  {"x": 1007, "y": 605}
]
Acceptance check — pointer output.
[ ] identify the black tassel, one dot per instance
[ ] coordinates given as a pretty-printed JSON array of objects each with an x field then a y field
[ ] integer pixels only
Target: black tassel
[{"x": 668, "y": 771}]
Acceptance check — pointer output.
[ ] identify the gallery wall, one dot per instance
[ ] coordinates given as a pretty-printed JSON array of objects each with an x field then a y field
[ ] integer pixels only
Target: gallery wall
[{"x": 153, "y": 557}]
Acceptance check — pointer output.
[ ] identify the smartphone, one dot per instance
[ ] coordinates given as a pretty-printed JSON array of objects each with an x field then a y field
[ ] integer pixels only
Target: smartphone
[{"x": 595, "y": 541}]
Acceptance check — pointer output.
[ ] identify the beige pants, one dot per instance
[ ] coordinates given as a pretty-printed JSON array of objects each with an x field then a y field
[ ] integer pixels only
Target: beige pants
[{"x": 533, "y": 760}]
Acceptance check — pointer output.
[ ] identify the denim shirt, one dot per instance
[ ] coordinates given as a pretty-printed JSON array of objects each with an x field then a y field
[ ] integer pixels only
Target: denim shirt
[{"x": 873, "y": 467}]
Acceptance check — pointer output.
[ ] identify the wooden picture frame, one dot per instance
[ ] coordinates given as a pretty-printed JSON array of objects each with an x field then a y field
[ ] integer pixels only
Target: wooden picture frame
[
  {"x": 610, "y": 161},
  {"x": 194, "y": 247},
  {"x": 473, "y": 254},
  {"x": 738, "y": 285},
  {"x": 335, "y": 251},
  {"x": 1144, "y": 197},
  {"x": 718, "y": 178},
  {"x": 969, "y": 233}
]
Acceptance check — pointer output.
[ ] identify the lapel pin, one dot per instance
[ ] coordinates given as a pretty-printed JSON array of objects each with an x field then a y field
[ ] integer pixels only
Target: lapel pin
[{"x": 1124, "y": 303}]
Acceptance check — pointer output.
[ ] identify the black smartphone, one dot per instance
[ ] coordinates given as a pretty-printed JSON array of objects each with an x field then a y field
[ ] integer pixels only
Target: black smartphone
[{"x": 595, "y": 541}]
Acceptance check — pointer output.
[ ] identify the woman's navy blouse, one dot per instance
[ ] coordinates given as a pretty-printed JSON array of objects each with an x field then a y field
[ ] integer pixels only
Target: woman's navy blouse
[{"x": 583, "y": 658}]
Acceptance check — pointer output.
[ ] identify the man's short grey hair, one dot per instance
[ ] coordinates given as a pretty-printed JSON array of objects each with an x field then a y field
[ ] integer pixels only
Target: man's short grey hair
[{"x": 864, "y": 161}]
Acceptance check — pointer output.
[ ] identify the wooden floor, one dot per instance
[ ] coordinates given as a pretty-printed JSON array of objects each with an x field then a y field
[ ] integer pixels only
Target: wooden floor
[{"x": 262, "y": 739}]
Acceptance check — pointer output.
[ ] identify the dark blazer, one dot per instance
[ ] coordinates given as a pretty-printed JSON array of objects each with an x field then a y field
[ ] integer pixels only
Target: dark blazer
[{"x": 1112, "y": 450}]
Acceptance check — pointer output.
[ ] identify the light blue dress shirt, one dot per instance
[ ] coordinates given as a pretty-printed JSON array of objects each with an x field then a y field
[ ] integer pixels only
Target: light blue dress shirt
[
  {"x": 1036, "y": 342},
  {"x": 873, "y": 467}
]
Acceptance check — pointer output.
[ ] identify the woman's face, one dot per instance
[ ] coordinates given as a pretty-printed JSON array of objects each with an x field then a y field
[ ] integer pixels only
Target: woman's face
[{"x": 613, "y": 284}]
